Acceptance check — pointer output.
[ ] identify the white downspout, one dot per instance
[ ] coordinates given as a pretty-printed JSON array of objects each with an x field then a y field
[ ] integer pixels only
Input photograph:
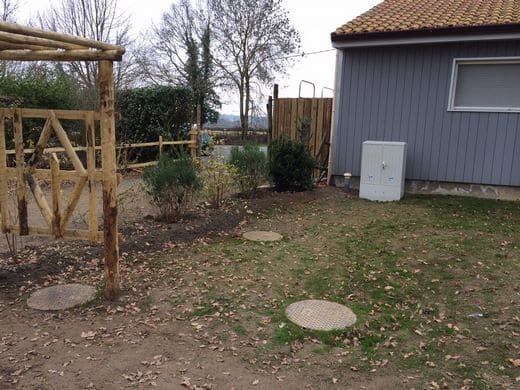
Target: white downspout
[{"x": 338, "y": 83}]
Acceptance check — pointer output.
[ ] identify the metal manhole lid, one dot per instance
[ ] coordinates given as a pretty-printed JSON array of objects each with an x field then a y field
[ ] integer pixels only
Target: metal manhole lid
[
  {"x": 320, "y": 315},
  {"x": 258, "y": 235},
  {"x": 61, "y": 297}
]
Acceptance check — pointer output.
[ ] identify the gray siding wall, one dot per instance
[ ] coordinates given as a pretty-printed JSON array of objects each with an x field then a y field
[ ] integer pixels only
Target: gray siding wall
[{"x": 400, "y": 93}]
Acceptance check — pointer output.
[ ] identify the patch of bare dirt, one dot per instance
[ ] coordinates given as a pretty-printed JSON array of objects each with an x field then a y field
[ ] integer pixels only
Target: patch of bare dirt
[
  {"x": 144, "y": 340},
  {"x": 42, "y": 257}
]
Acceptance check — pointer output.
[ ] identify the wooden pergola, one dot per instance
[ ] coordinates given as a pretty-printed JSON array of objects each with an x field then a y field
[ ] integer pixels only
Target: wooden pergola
[{"x": 20, "y": 43}]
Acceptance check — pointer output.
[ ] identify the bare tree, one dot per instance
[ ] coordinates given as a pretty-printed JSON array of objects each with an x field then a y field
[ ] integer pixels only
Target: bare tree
[
  {"x": 165, "y": 55},
  {"x": 178, "y": 51},
  {"x": 9, "y": 8},
  {"x": 95, "y": 19},
  {"x": 8, "y": 11},
  {"x": 254, "y": 39}
]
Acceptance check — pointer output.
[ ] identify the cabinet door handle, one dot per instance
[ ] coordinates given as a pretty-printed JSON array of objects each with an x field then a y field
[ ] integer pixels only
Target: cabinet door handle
[{"x": 384, "y": 165}]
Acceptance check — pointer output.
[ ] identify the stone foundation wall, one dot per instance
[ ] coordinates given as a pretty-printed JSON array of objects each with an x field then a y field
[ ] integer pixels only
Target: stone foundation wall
[{"x": 445, "y": 188}]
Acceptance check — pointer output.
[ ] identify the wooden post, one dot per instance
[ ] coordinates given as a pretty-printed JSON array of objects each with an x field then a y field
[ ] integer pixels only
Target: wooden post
[
  {"x": 199, "y": 128},
  {"x": 125, "y": 156},
  {"x": 4, "y": 201},
  {"x": 275, "y": 110},
  {"x": 20, "y": 178},
  {"x": 91, "y": 171},
  {"x": 108, "y": 153},
  {"x": 56, "y": 189},
  {"x": 269, "y": 119},
  {"x": 194, "y": 138},
  {"x": 199, "y": 117},
  {"x": 160, "y": 146}
]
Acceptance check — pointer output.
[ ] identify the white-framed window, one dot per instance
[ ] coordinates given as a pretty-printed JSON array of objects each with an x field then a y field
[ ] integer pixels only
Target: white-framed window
[{"x": 485, "y": 84}]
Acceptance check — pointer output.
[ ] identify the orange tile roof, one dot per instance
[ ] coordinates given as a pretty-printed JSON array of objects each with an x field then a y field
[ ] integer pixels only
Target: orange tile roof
[{"x": 393, "y": 16}]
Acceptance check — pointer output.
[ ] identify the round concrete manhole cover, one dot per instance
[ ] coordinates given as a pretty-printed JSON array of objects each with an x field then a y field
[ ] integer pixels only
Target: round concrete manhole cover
[
  {"x": 262, "y": 236},
  {"x": 320, "y": 315},
  {"x": 61, "y": 297}
]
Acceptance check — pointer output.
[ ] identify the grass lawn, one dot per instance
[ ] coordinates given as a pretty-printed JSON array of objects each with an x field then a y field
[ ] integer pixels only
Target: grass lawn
[{"x": 434, "y": 282}]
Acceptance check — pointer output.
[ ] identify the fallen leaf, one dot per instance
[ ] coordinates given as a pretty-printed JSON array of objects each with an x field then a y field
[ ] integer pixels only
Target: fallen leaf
[
  {"x": 88, "y": 335},
  {"x": 449, "y": 357},
  {"x": 515, "y": 362}
]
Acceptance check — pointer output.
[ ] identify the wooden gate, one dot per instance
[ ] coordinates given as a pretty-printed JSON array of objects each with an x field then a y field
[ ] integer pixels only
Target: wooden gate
[
  {"x": 20, "y": 43},
  {"x": 290, "y": 114},
  {"x": 26, "y": 174}
]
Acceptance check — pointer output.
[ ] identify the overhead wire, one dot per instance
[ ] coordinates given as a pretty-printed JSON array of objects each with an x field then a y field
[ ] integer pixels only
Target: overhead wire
[{"x": 304, "y": 54}]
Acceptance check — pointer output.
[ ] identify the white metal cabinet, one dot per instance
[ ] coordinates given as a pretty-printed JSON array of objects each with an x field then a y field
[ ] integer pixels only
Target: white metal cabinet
[{"x": 383, "y": 166}]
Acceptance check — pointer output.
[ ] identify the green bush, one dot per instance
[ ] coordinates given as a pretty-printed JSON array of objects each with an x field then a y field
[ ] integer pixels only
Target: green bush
[
  {"x": 172, "y": 183},
  {"x": 38, "y": 86},
  {"x": 251, "y": 164},
  {"x": 290, "y": 165},
  {"x": 147, "y": 113},
  {"x": 219, "y": 180}
]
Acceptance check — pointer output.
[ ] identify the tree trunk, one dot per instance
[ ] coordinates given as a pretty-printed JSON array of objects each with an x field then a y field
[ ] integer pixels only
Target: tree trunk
[
  {"x": 202, "y": 114},
  {"x": 242, "y": 113},
  {"x": 245, "y": 128}
]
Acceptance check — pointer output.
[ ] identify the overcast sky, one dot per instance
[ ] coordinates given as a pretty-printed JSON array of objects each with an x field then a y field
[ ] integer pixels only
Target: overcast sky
[{"x": 315, "y": 20}]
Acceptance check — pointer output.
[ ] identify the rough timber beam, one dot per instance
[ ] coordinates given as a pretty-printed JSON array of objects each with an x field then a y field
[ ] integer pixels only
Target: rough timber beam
[
  {"x": 14, "y": 46},
  {"x": 28, "y": 40},
  {"x": 39, "y": 33},
  {"x": 61, "y": 55}
]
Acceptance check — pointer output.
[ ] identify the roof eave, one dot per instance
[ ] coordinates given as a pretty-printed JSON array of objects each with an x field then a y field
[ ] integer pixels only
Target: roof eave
[{"x": 424, "y": 33}]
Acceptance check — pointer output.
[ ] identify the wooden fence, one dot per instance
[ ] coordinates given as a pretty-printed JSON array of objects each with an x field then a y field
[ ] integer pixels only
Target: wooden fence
[
  {"x": 124, "y": 148},
  {"x": 27, "y": 172},
  {"x": 290, "y": 115},
  {"x": 160, "y": 144}
]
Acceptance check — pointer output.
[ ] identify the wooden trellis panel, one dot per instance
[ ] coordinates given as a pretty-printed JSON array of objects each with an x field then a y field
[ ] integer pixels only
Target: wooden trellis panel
[{"x": 58, "y": 215}]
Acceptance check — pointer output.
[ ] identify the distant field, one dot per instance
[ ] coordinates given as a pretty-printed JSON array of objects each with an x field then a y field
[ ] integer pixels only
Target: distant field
[{"x": 234, "y": 136}]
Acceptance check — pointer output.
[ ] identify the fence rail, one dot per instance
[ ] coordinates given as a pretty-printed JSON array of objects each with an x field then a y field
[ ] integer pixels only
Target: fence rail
[{"x": 192, "y": 144}]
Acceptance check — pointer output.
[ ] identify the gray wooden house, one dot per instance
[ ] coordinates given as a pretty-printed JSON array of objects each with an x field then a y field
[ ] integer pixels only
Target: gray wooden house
[{"x": 443, "y": 76}]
